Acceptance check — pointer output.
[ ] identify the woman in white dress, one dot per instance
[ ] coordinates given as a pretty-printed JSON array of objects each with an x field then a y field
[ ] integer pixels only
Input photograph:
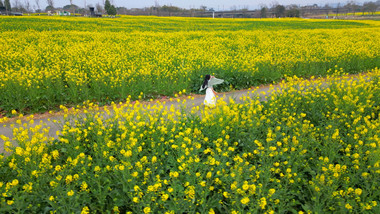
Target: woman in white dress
[{"x": 210, "y": 98}]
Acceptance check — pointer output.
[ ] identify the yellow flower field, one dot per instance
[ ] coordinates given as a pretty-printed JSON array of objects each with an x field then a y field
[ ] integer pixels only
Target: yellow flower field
[
  {"x": 52, "y": 61},
  {"x": 313, "y": 148}
]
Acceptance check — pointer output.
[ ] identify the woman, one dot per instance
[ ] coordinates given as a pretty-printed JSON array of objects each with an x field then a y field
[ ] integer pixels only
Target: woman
[{"x": 210, "y": 98}]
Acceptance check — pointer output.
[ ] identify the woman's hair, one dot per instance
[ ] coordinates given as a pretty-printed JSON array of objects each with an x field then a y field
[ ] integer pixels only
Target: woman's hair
[{"x": 207, "y": 78}]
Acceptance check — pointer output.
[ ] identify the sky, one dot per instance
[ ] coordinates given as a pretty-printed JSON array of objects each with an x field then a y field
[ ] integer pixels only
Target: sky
[{"x": 188, "y": 4}]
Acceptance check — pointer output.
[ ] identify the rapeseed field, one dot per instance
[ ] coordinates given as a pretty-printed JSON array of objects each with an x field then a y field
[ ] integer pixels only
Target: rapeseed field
[
  {"x": 51, "y": 61},
  {"x": 313, "y": 148}
]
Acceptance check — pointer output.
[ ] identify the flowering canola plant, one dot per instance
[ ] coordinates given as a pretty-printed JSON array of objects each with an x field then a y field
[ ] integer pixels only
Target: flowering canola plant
[
  {"x": 313, "y": 147},
  {"x": 51, "y": 61}
]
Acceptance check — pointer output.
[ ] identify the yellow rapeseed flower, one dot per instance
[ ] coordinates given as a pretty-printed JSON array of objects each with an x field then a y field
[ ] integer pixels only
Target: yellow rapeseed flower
[
  {"x": 147, "y": 210},
  {"x": 245, "y": 200},
  {"x": 70, "y": 193}
]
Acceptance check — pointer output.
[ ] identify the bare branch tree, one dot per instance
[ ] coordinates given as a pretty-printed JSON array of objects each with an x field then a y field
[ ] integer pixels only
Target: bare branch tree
[
  {"x": 50, "y": 3},
  {"x": 273, "y": 4},
  {"x": 354, "y": 7},
  {"x": 16, "y": 4},
  {"x": 99, "y": 8},
  {"x": 38, "y": 3},
  {"x": 27, "y": 5},
  {"x": 370, "y": 7}
]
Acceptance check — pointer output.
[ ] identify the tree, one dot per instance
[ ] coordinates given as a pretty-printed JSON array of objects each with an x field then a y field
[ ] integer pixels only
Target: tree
[
  {"x": 107, "y": 5},
  {"x": 71, "y": 9},
  {"x": 347, "y": 8},
  {"x": 351, "y": 7},
  {"x": 355, "y": 7},
  {"x": 370, "y": 7},
  {"x": 170, "y": 9},
  {"x": 27, "y": 5},
  {"x": 18, "y": 6},
  {"x": 157, "y": 7},
  {"x": 337, "y": 9},
  {"x": 38, "y": 4},
  {"x": 99, "y": 8},
  {"x": 7, "y": 5},
  {"x": 263, "y": 12},
  {"x": 327, "y": 9},
  {"x": 279, "y": 10},
  {"x": 50, "y": 4},
  {"x": 293, "y": 11},
  {"x": 1, "y": 3},
  {"x": 121, "y": 10},
  {"x": 110, "y": 9}
]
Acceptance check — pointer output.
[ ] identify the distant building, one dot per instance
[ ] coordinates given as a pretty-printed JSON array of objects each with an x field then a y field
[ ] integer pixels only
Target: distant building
[
  {"x": 16, "y": 14},
  {"x": 93, "y": 14},
  {"x": 3, "y": 11}
]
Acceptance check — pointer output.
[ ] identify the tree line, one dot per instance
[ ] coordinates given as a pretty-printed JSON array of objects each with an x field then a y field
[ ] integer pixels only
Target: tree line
[
  {"x": 27, "y": 7},
  {"x": 273, "y": 10}
]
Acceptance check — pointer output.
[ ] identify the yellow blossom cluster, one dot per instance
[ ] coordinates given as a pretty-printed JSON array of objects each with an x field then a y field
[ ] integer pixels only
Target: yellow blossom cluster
[
  {"x": 49, "y": 61},
  {"x": 311, "y": 146}
]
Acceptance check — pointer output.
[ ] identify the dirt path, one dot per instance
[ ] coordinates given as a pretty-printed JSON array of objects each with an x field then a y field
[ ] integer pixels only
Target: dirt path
[{"x": 7, "y": 128}]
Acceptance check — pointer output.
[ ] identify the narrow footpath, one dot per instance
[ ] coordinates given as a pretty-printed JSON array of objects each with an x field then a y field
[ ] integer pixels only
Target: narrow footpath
[{"x": 263, "y": 92}]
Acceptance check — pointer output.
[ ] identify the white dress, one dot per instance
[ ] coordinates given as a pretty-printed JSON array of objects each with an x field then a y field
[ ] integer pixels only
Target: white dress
[{"x": 210, "y": 99}]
